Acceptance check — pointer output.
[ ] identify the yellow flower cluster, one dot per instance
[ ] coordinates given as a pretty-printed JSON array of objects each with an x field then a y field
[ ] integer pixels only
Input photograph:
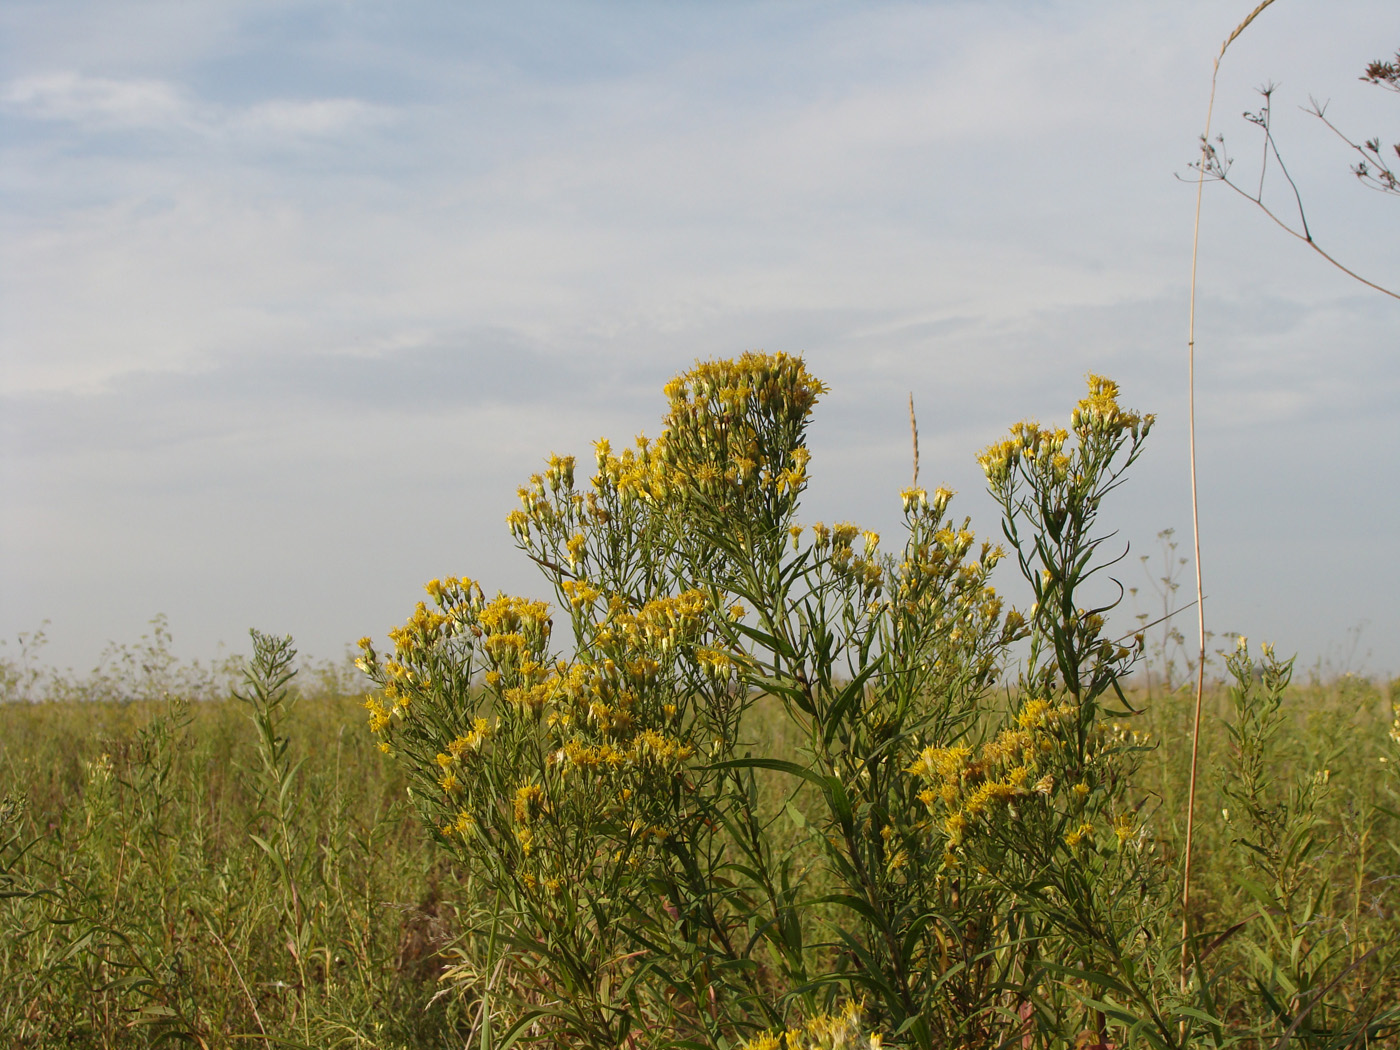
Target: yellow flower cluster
[
  {"x": 916, "y": 500},
  {"x": 516, "y": 637},
  {"x": 967, "y": 790},
  {"x": 716, "y": 663},
  {"x": 734, "y": 426},
  {"x": 1097, "y": 418},
  {"x": 648, "y": 748},
  {"x": 659, "y": 625},
  {"x": 540, "y": 499},
  {"x": 1099, "y": 412},
  {"x": 1029, "y": 443},
  {"x": 463, "y": 823},
  {"x": 778, "y": 385},
  {"x": 457, "y": 601},
  {"x": 472, "y": 741},
  {"x": 529, "y": 803},
  {"x": 580, "y": 593},
  {"x": 602, "y": 721},
  {"x": 379, "y": 719},
  {"x": 640, "y": 473},
  {"x": 1125, "y": 826},
  {"x": 929, "y": 563},
  {"x": 507, "y": 614},
  {"x": 512, "y": 633},
  {"x": 864, "y": 569},
  {"x": 839, "y": 1031}
]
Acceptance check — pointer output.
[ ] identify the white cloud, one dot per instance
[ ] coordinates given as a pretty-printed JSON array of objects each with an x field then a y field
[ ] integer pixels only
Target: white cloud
[
  {"x": 100, "y": 104},
  {"x": 313, "y": 118},
  {"x": 97, "y": 101}
]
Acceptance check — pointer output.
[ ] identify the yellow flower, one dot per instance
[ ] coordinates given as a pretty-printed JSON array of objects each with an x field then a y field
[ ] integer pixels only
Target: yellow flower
[
  {"x": 944, "y": 762},
  {"x": 576, "y": 547},
  {"x": 1079, "y": 834},
  {"x": 378, "y": 715},
  {"x": 1124, "y": 825},
  {"x": 472, "y": 741},
  {"x": 714, "y": 662},
  {"x": 998, "y": 460},
  {"x": 529, "y": 801},
  {"x": 1033, "y": 714},
  {"x": 956, "y": 826}
]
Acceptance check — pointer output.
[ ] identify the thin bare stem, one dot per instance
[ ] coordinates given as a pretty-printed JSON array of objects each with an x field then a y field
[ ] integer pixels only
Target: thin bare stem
[
  {"x": 1154, "y": 623},
  {"x": 1307, "y": 239},
  {"x": 1383, "y": 180},
  {"x": 1196, "y": 542},
  {"x": 1264, "y": 116},
  {"x": 1297, "y": 196},
  {"x": 1195, "y": 505}
]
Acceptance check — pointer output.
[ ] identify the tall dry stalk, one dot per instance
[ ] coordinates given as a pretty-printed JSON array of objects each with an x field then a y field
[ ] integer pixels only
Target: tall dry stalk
[
  {"x": 1195, "y": 515},
  {"x": 914, "y": 432}
]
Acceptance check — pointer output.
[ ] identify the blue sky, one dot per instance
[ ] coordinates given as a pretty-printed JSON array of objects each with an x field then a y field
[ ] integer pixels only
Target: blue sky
[{"x": 294, "y": 295}]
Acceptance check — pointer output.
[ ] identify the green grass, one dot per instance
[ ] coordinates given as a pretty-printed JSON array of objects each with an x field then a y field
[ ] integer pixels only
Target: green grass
[
  {"x": 158, "y": 918},
  {"x": 145, "y": 912}
]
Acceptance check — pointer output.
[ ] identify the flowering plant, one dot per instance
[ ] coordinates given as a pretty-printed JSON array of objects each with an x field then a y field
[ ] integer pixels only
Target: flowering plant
[{"x": 661, "y": 872}]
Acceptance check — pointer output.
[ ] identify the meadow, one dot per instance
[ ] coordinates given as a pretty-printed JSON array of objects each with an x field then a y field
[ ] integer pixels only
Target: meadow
[{"x": 744, "y": 784}]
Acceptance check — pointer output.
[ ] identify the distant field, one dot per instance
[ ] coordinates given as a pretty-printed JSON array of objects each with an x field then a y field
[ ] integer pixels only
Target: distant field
[{"x": 156, "y": 915}]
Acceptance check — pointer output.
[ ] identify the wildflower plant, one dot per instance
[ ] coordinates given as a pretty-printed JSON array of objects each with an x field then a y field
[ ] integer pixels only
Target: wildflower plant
[
  {"x": 593, "y": 788},
  {"x": 1292, "y": 942},
  {"x": 661, "y": 875}
]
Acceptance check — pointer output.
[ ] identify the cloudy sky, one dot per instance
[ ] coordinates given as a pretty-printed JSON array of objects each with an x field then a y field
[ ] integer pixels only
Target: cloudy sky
[{"x": 293, "y": 294}]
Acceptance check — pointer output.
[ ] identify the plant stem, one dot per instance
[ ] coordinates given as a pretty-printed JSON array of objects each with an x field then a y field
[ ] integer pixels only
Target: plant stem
[{"x": 1195, "y": 504}]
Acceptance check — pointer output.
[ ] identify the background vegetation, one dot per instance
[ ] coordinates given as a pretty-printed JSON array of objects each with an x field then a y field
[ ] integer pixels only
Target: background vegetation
[{"x": 159, "y": 916}]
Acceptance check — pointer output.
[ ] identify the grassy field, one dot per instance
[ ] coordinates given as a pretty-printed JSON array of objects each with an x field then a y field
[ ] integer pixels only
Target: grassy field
[{"x": 143, "y": 907}]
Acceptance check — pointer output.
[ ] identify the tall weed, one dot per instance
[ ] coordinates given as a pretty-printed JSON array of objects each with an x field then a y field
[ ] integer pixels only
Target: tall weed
[{"x": 973, "y": 865}]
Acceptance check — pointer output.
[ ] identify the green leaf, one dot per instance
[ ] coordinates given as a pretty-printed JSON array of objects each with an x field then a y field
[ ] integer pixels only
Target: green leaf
[
  {"x": 763, "y": 638},
  {"x": 853, "y": 692},
  {"x": 777, "y": 764}
]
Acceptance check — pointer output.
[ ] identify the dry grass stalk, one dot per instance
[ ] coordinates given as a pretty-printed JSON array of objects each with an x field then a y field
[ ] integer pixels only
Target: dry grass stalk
[{"x": 1195, "y": 515}]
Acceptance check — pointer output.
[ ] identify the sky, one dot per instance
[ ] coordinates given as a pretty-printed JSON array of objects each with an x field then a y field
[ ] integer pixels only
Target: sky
[{"x": 294, "y": 295}]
